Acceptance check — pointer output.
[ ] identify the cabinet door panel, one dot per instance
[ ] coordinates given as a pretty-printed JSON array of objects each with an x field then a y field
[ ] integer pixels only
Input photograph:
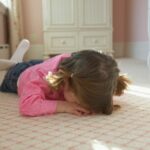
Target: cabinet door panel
[
  {"x": 60, "y": 13},
  {"x": 95, "y": 13}
]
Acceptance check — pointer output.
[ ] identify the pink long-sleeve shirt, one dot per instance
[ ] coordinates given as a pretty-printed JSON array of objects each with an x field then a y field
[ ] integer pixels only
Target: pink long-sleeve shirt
[{"x": 35, "y": 96}]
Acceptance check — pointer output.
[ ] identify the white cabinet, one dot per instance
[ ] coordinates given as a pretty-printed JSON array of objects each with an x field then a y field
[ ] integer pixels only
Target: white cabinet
[{"x": 72, "y": 25}]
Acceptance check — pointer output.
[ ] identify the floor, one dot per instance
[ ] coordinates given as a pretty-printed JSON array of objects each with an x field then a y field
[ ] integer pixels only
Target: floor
[{"x": 126, "y": 129}]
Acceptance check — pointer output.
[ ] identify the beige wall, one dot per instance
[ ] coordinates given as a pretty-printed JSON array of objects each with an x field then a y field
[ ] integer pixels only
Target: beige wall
[
  {"x": 3, "y": 26},
  {"x": 130, "y": 20},
  {"x": 136, "y": 43},
  {"x": 32, "y": 19},
  {"x": 136, "y": 20},
  {"x": 130, "y": 28},
  {"x": 119, "y": 20},
  {"x": 2, "y": 33}
]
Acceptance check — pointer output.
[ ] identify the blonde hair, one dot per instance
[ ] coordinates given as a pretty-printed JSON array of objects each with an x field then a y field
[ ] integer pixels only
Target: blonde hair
[
  {"x": 93, "y": 77},
  {"x": 55, "y": 80}
]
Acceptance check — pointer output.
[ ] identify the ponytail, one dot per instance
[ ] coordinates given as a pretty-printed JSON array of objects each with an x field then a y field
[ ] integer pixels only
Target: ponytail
[{"x": 122, "y": 84}]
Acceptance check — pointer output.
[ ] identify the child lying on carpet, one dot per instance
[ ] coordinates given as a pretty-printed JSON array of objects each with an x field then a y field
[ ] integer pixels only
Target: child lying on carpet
[{"x": 80, "y": 83}]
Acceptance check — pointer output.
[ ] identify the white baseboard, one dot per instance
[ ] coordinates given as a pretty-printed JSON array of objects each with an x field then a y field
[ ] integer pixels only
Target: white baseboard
[
  {"x": 138, "y": 50},
  {"x": 35, "y": 52},
  {"x": 119, "y": 49}
]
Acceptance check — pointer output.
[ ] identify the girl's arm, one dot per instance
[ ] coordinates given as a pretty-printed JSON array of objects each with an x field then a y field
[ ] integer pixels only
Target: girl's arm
[
  {"x": 72, "y": 108},
  {"x": 31, "y": 89},
  {"x": 33, "y": 102}
]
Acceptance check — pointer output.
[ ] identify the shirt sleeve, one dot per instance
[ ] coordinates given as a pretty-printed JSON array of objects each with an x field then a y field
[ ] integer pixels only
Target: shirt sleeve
[{"x": 32, "y": 99}]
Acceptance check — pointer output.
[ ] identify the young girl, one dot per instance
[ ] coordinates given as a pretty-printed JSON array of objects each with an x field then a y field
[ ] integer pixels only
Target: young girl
[{"x": 80, "y": 83}]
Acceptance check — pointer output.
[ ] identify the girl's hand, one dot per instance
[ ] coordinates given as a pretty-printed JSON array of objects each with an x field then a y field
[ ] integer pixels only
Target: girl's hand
[{"x": 72, "y": 108}]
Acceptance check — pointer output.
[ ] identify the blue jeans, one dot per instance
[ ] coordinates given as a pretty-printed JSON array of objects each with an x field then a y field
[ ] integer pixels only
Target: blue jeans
[{"x": 9, "y": 83}]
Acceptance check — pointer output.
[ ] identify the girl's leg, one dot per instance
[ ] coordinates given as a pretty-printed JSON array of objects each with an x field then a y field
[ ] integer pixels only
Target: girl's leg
[
  {"x": 20, "y": 51},
  {"x": 17, "y": 56},
  {"x": 9, "y": 83}
]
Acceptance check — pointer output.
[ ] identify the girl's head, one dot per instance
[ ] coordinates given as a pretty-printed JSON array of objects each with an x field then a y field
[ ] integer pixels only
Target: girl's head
[{"x": 91, "y": 78}]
